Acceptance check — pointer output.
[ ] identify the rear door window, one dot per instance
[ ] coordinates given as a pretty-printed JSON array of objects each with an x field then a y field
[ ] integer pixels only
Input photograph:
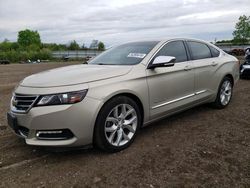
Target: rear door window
[
  {"x": 199, "y": 50},
  {"x": 214, "y": 51}
]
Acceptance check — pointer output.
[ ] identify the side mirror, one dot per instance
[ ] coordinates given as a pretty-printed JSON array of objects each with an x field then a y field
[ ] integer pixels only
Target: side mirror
[{"x": 163, "y": 61}]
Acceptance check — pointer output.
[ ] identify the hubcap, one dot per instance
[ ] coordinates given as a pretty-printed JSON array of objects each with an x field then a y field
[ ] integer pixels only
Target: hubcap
[
  {"x": 226, "y": 92},
  {"x": 120, "y": 125}
]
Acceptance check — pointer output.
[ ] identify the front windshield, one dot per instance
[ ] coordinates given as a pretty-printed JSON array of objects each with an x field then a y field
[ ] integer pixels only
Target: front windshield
[{"x": 126, "y": 54}]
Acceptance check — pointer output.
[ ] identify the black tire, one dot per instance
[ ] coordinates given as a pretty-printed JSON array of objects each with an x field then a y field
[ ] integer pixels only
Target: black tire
[
  {"x": 218, "y": 103},
  {"x": 100, "y": 139}
]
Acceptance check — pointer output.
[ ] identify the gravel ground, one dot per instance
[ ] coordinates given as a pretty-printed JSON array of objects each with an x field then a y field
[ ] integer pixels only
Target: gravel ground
[{"x": 201, "y": 147}]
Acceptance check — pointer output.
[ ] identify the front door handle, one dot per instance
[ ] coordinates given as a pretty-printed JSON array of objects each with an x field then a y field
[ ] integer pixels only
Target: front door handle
[
  {"x": 214, "y": 63},
  {"x": 187, "y": 68}
]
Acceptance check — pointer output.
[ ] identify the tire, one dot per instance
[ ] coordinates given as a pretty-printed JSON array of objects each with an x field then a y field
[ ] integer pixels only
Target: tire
[
  {"x": 117, "y": 124},
  {"x": 226, "y": 91}
]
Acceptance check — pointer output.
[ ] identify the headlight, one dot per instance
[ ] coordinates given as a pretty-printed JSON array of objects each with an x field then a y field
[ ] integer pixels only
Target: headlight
[{"x": 62, "y": 98}]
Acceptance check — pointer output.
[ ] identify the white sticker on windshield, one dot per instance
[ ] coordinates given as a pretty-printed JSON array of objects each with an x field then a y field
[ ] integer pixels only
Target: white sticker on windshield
[{"x": 137, "y": 55}]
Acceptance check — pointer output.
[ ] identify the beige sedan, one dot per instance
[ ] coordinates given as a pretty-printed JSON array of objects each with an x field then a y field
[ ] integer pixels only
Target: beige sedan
[{"x": 125, "y": 88}]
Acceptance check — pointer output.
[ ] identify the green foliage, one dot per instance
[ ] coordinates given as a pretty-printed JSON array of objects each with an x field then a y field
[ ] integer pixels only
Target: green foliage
[
  {"x": 42, "y": 54},
  {"x": 74, "y": 46},
  {"x": 14, "y": 46},
  {"x": 224, "y": 41},
  {"x": 33, "y": 47},
  {"x": 54, "y": 47},
  {"x": 8, "y": 46},
  {"x": 5, "y": 46},
  {"x": 101, "y": 46},
  {"x": 242, "y": 30},
  {"x": 29, "y": 46},
  {"x": 28, "y": 37},
  {"x": 17, "y": 56}
]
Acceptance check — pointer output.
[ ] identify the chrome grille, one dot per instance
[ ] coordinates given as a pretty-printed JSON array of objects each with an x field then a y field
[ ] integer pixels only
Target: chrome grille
[{"x": 22, "y": 103}]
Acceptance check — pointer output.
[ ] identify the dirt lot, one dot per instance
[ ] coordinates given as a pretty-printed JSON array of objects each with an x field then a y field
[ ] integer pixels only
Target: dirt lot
[{"x": 201, "y": 147}]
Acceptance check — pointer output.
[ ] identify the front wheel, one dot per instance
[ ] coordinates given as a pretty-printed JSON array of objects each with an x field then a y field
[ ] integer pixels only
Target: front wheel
[
  {"x": 224, "y": 94},
  {"x": 117, "y": 124}
]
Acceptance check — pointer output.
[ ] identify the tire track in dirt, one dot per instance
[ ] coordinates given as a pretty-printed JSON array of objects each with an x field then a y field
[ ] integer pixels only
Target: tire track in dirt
[{"x": 21, "y": 163}]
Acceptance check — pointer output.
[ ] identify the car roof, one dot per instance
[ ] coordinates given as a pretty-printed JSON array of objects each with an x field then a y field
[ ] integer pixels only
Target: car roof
[{"x": 169, "y": 39}]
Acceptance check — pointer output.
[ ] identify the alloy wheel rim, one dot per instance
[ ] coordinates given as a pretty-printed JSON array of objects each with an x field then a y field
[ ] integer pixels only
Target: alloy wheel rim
[
  {"x": 121, "y": 124},
  {"x": 226, "y": 93}
]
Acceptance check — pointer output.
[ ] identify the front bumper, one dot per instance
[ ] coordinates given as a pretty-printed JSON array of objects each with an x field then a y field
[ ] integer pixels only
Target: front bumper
[{"x": 78, "y": 118}]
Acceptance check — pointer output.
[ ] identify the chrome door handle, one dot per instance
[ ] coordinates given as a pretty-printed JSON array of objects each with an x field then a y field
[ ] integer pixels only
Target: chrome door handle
[
  {"x": 187, "y": 68},
  {"x": 214, "y": 63}
]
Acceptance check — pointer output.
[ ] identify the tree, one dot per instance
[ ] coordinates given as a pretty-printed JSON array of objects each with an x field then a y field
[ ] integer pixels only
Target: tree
[
  {"x": 242, "y": 30},
  {"x": 54, "y": 46},
  {"x": 5, "y": 45},
  {"x": 14, "y": 46},
  {"x": 6, "y": 40},
  {"x": 27, "y": 37},
  {"x": 101, "y": 46},
  {"x": 83, "y": 46},
  {"x": 74, "y": 46}
]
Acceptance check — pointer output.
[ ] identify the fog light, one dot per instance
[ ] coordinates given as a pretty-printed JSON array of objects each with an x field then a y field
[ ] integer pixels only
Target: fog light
[{"x": 63, "y": 134}]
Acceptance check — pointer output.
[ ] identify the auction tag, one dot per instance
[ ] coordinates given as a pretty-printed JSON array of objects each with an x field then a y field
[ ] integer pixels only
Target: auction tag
[{"x": 137, "y": 55}]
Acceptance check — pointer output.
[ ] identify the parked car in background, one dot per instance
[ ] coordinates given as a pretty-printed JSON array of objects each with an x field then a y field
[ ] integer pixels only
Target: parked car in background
[
  {"x": 88, "y": 58},
  {"x": 4, "y": 62},
  {"x": 107, "y": 101},
  {"x": 65, "y": 57},
  {"x": 245, "y": 67},
  {"x": 245, "y": 70}
]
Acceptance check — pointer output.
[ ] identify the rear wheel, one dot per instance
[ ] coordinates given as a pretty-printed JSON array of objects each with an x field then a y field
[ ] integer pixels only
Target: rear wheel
[
  {"x": 117, "y": 124},
  {"x": 224, "y": 94}
]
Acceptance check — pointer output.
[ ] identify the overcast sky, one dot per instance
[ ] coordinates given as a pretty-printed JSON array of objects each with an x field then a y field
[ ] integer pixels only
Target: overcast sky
[{"x": 115, "y": 21}]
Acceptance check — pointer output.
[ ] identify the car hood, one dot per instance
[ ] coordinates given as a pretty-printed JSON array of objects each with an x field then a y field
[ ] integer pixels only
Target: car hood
[{"x": 75, "y": 74}]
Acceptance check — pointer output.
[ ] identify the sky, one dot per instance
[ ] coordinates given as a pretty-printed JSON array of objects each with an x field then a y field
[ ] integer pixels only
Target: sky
[{"x": 119, "y": 21}]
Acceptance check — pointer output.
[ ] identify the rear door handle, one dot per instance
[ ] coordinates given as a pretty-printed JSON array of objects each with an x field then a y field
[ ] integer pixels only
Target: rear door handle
[
  {"x": 214, "y": 63},
  {"x": 187, "y": 68}
]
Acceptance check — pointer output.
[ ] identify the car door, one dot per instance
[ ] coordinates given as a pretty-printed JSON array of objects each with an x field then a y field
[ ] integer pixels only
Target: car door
[
  {"x": 170, "y": 88},
  {"x": 204, "y": 64}
]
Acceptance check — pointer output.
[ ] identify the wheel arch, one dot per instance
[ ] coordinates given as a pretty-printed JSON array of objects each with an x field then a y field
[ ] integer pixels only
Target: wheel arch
[
  {"x": 133, "y": 96},
  {"x": 126, "y": 94},
  {"x": 230, "y": 76},
  {"x": 227, "y": 75}
]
